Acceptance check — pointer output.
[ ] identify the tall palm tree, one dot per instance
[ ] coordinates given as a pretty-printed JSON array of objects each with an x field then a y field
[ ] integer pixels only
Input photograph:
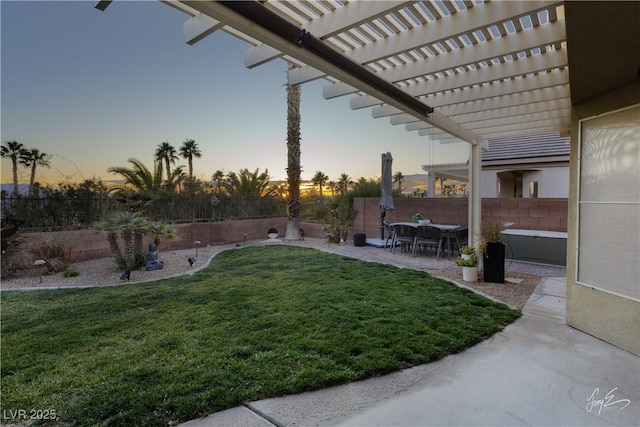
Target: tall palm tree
[
  {"x": 320, "y": 179},
  {"x": 31, "y": 159},
  {"x": 398, "y": 178},
  {"x": 248, "y": 184},
  {"x": 168, "y": 154},
  {"x": 13, "y": 150},
  {"x": 188, "y": 151},
  {"x": 344, "y": 182},
  {"x": 294, "y": 168}
]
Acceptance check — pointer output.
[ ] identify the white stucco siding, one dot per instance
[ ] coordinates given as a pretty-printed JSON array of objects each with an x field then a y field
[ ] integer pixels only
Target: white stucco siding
[
  {"x": 553, "y": 182},
  {"x": 489, "y": 184}
]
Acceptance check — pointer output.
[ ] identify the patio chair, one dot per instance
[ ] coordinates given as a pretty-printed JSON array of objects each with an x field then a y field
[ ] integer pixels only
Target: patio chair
[
  {"x": 427, "y": 235},
  {"x": 391, "y": 236},
  {"x": 405, "y": 235},
  {"x": 460, "y": 238}
]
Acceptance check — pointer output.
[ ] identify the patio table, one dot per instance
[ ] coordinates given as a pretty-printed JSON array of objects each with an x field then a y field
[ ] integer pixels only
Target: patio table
[{"x": 446, "y": 228}]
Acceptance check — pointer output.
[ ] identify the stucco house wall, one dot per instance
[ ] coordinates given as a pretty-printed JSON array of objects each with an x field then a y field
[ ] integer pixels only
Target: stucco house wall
[{"x": 553, "y": 182}]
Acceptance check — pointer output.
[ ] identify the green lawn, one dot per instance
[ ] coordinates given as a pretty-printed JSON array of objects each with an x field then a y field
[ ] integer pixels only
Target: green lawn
[{"x": 257, "y": 323}]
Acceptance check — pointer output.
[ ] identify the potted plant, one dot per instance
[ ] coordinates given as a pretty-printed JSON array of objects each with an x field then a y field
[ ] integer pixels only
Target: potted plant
[
  {"x": 466, "y": 252},
  {"x": 492, "y": 249},
  {"x": 468, "y": 260},
  {"x": 417, "y": 217}
]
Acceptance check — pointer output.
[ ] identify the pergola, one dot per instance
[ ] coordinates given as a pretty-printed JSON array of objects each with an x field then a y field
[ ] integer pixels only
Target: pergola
[{"x": 463, "y": 70}]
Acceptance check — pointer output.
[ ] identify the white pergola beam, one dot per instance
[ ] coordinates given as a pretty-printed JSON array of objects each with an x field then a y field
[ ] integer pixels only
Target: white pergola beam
[
  {"x": 540, "y": 36},
  {"x": 199, "y": 27},
  {"x": 506, "y": 106},
  {"x": 260, "y": 54},
  {"x": 337, "y": 89},
  {"x": 528, "y": 112},
  {"x": 229, "y": 17},
  {"x": 363, "y": 101},
  {"x": 385, "y": 111},
  {"x": 351, "y": 15},
  {"x": 537, "y": 82},
  {"x": 477, "y": 17},
  {"x": 303, "y": 74},
  {"x": 507, "y": 100},
  {"x": 506, "y": 70},
  {"x": 510, "y": 129}
]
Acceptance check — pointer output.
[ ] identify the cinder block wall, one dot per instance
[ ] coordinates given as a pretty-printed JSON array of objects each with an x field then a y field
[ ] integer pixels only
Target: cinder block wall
[
  {"x": 88, "y": 244},
  {"x": 535, "y": 214},
  {"x": 530, "y": 214}
]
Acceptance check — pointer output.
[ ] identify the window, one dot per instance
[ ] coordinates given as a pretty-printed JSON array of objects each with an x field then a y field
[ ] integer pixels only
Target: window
[
  {"x": 533, "y": 189},
  {"x": 609, "y": 203}
]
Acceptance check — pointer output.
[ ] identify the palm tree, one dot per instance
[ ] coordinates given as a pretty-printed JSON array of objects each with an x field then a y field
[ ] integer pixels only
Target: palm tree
[
  {"x": 333, "y": 186},
  {"x": 344, "y": 182},
  {"x": 294, "y": 168},
  {"x": 142, "y": 185},
  {"x": 132, "y": 227},
  {"x": 442, "y": 180},
  {"x": 319, "y": 179},
  {"x": 168, "y": 154},
  {"x": 218, "y": 177},
  {"x": 398, "y": 178},
  {"x": 161, "y": 230},
  {"x": 13, "y": 150},
  {"x": 32, "y": 158},
  {"x": 188, "y": 151},
  {"x": 248, "y": 184}
]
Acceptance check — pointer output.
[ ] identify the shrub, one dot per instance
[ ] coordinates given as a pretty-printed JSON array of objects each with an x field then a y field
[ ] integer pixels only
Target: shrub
[
  {"x": 56, "y": 252},
  {"x": 70, "y": 272},
  {"x": 472, "y": 261},
  {"x": 14, "y": 260},
  {"x": 340, "y": 218}
]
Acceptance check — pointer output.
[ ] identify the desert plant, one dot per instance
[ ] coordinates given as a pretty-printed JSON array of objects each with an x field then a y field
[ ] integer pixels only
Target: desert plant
[
  {"x": 131, "y": 226},
  {"x": 490, "y": 232},
  {"x": 55, "y": 251},
  {"x": 14, "y": 260},
  {"x": 160, "y": 230},
  {"x": 339, "y": 220},
  {"x": 70, "y": 272}
]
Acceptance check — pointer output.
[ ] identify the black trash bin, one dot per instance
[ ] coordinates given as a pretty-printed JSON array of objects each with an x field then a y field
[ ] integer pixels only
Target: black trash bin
[{"x": 359, "y": 239}]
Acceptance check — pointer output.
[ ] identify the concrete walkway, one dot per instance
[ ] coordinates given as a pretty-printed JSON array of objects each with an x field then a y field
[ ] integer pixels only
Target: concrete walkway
[{"x": 538, "y": 371}]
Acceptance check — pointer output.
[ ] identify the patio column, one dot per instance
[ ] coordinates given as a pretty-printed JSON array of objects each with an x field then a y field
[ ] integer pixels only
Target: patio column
[
  {"x": 475, "y": 198},
  {"x": 431, "y": 184}
]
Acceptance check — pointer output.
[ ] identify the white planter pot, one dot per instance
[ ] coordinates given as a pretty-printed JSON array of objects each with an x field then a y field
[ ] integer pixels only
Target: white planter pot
[{"x": 470, "y": 274}]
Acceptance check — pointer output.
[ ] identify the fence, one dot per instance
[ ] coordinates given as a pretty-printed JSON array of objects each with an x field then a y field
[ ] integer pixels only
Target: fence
[{"x": 60, "y": 213}]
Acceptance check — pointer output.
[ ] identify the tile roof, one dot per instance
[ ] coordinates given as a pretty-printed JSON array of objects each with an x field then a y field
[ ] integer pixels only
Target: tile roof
[{"x": 527, "y": 146}]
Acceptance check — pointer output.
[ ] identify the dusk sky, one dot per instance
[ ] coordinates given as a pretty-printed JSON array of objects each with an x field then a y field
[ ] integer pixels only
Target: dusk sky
[{"x": 95, "y": 88}]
